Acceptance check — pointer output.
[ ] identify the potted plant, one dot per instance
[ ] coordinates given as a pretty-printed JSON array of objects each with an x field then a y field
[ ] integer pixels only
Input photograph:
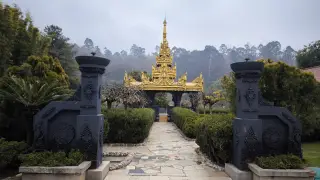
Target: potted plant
[{"x": 282, "y": 167}]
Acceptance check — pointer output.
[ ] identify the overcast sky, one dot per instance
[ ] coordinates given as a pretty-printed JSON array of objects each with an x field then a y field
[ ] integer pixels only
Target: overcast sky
[{"x": 192, "y": 24}]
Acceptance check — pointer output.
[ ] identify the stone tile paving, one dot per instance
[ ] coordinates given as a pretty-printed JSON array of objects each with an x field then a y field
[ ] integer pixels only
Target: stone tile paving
[{"x": 166, "y": 156}]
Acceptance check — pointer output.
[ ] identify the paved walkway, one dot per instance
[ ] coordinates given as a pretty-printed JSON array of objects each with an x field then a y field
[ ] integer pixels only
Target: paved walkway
[{"x": 166, "y": 156}]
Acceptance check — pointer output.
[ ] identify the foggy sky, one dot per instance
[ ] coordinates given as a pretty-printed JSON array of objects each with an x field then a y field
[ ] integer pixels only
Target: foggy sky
[{"x": 117, "y": 24}]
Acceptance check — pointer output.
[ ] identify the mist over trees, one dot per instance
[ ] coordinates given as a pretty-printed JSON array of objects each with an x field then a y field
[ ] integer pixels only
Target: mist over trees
[{"x": 213, "y": 62}]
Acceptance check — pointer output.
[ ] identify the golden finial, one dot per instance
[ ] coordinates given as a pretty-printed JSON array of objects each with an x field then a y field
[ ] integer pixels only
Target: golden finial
[{"x": 164, "y": 29}]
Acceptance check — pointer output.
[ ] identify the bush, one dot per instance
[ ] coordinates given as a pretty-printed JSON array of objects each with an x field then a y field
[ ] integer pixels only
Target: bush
[
  {"x": 213, "y": 111},
  {"x": 128, "y": 126},
  {"x": 214, "y": 137},
  {"x": 186, "y": 120},
  {"x": 286, "y": 161},
  {"x": 9, "y": 152},
  {"x": 52, "y": 159}
]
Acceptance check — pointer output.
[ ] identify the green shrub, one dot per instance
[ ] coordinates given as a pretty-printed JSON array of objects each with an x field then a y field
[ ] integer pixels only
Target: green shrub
[
  {"x": 106, "y": 129},
  {"x": 212, "y": 111},
  {"x": 214, "y": 137},
  {"x": 186, "y": 120},
  {"x": 128, "y": 126},
  {"x": 52, "y": 159},
  {"x": 9, "y": 152},
  {"x": 286, "y": 161}
]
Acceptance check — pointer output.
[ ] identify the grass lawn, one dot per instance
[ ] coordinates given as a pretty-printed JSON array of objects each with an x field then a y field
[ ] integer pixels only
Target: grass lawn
[{"x": 311, "y": 153}]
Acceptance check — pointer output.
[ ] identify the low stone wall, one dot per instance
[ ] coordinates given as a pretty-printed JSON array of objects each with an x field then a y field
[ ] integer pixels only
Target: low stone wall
[
  {"x": 280, "y": 174},
  {"x": 55, "y": 173}
]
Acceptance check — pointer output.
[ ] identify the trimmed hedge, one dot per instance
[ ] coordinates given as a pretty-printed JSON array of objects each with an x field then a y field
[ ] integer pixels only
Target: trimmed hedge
[
  {"x": 186, "y": 120},
  {"x": 128, "y": 126},
  {"x": 9, "y": 152},
  {"x": 213, "y": 111},
  {"x": 286, "y": 161},
  {"x": 214, "y": 137},
  {"x": 52, "y": 159}
]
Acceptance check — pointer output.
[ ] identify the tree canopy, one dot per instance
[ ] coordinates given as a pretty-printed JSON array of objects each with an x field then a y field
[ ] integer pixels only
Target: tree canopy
[{"x": 309, "y": 56}]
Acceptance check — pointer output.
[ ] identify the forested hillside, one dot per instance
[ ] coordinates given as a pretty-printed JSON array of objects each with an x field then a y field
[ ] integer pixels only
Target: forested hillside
[
  {"x": 19, "y": 39},
  {"x": 212, "y": 61}
]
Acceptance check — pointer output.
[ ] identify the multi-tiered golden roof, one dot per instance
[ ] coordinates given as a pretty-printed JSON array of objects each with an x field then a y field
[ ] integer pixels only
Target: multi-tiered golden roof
[{"x": 164, "y": 73}]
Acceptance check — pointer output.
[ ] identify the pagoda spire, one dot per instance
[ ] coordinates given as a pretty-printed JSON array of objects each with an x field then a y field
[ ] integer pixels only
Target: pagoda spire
[
  {"x": 164, "y": 37},
  {"x": 164, "y": 48}
]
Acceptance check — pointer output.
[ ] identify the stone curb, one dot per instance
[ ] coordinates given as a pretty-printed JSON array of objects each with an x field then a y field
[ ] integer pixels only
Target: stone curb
[
  {"x": 125, "y": 145},
  {"x": 80, "y": 169},
  {"x": 122, "y": 164},
  {"x": 301, "y": 173}
]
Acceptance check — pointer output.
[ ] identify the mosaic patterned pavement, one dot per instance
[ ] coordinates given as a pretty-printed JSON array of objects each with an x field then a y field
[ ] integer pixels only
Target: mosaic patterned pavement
[{"x": 166, "y": 156}]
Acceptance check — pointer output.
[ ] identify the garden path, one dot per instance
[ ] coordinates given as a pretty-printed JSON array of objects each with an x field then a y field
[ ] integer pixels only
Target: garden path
[{"x": 166, "y": 156}]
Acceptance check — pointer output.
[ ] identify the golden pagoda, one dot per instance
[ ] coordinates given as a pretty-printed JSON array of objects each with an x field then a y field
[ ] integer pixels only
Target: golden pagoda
[{"x": 164, "y": 73}]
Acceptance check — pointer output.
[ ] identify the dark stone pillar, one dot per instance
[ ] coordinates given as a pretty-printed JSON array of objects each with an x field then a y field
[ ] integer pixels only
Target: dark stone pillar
[
  {"x": 191, "y": 95},
  {"x": 177, "y": 98},
  {"x": 151, "y": 96},
  {"x": 247, "y": 127},
  {"x": 260, "y": 129},
  {"x": 90, "y": 122}
]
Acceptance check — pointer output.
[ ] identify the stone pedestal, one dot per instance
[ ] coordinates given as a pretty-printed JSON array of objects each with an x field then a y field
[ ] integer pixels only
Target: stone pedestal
[
  {"x": 90, "y": 122},
  {"x": 260, "y": 129},
  {"x": 247, "y": 127}
]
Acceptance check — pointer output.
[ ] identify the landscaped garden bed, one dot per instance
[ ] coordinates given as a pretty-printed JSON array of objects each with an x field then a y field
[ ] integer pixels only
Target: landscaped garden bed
[
  {"x": 55, "y": 166},
  {"x": 282, "y": 167}
]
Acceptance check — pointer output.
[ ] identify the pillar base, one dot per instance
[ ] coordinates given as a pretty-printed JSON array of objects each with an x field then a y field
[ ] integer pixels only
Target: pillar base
[
  {"x": 247, "y": 141},
  {"x": 90, "y": 137}
]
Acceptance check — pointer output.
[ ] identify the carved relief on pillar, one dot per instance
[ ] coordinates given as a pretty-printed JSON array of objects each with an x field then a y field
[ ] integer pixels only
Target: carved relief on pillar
[
  {"x": 251, "y": 140},
  {"x": 92, "y": 70},
  {"x": 251, "y": 147},
  {"x": 249, "y": 80},
  {"x": 89, "y": 91},
  {"x": 87, "y": 141},
  {"x": 64, "y": 134},
  {"x": 250, "y": 96},
  {"x": 273, "y": 140},
  {"x": 248, "y": 75}
]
